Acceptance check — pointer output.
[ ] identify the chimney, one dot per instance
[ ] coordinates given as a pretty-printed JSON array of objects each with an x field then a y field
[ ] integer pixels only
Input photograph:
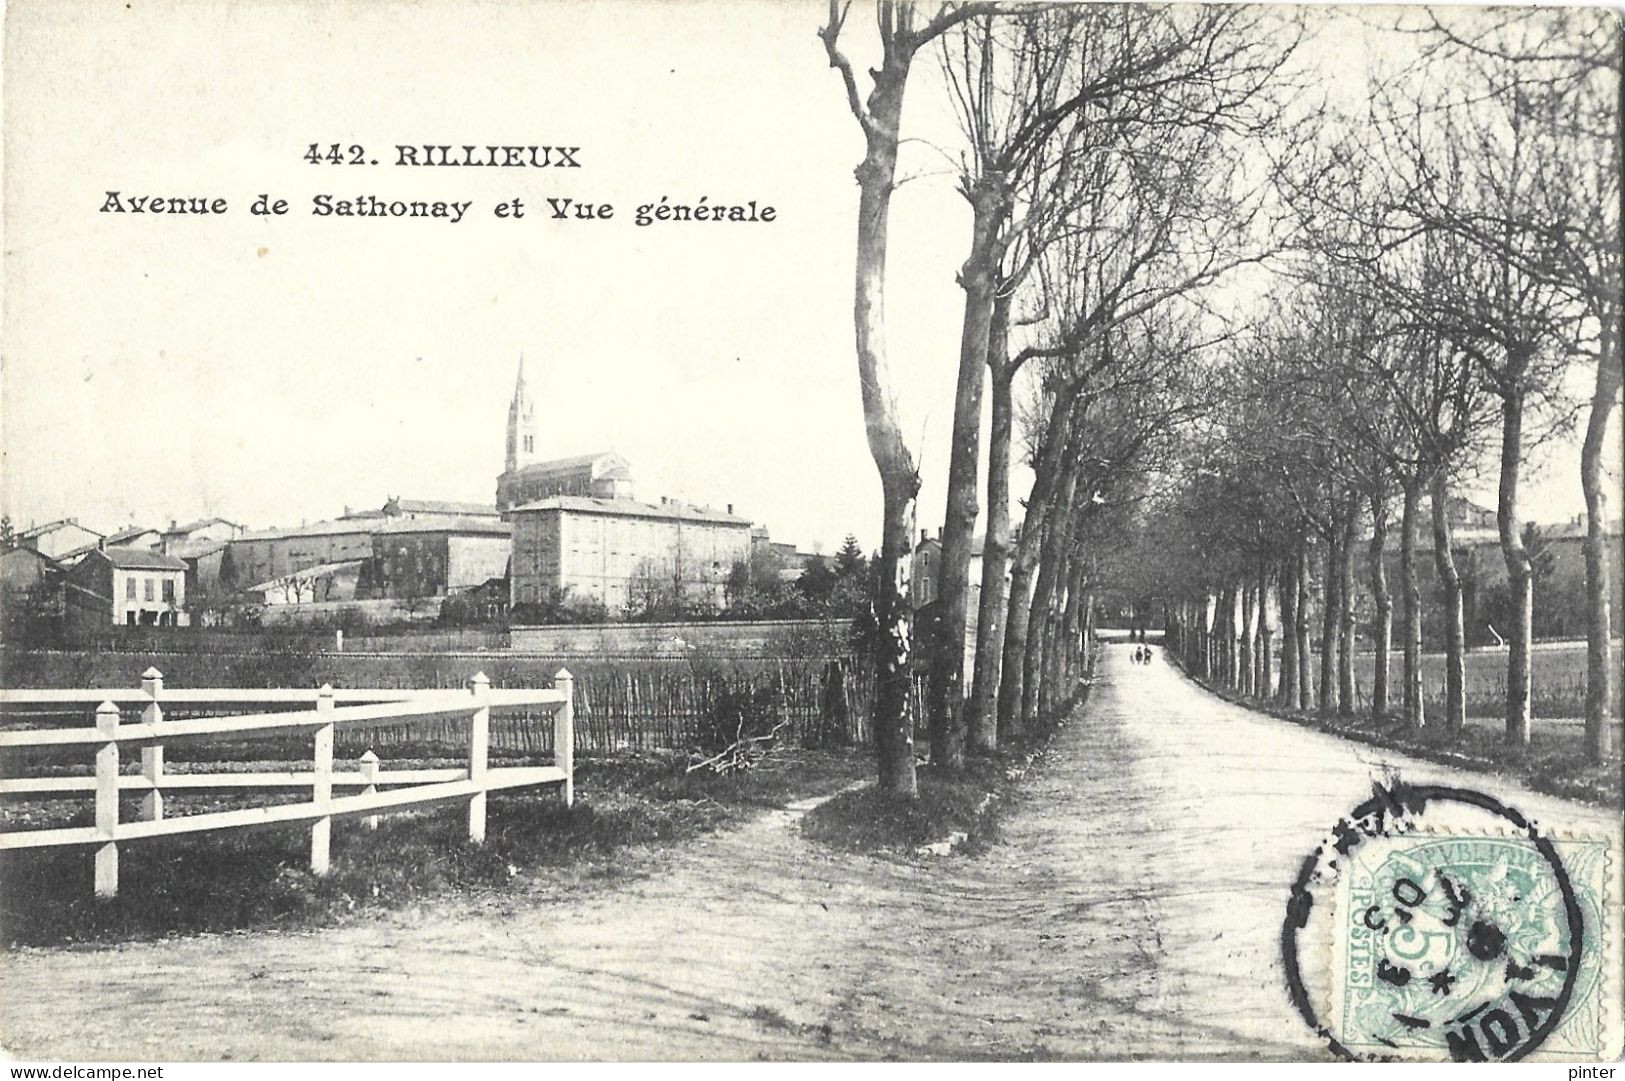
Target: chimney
[
  {"x": 925, "y": 535},
  {"x": 172, "y": 524},
  {"x": 730, "y": 508}
]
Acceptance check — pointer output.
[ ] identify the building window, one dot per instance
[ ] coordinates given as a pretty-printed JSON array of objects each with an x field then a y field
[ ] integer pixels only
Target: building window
[
  {"x": 129, "y": 588},
  {"x": 169, "y": 591},
  {"x": 147, "y": 590}
]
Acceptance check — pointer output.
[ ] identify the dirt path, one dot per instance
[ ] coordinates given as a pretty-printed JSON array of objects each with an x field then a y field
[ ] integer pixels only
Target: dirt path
[{"x": 1132, "y": 910}]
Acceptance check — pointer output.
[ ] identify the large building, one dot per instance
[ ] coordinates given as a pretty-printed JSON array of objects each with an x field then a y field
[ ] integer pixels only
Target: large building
[
  {"x": 435, "y": 556},
  {"x": 628, "y": 556},
  {"x": 254, "y": 558},
  {"x": 580, "y": 538}
]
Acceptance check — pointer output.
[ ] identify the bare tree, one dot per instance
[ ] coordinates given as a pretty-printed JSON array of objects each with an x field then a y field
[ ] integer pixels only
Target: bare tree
[
  {"x": 903, "y": 32},
  {"x": 1472, "y": 171},
  {"x": 1568, "y": 66}
]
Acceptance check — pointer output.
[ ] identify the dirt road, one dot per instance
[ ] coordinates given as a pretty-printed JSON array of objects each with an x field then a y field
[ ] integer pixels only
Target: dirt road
[{"x": 1132, "y": 910}]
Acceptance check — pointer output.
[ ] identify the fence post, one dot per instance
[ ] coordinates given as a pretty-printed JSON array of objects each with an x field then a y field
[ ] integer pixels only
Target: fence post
[
  {"x": 479, "y": 735},
  {"x": 564, "y": 733},
  {"x": 152, "y": 758},
  {"x": 107, "y": 801},
  {"x": 321, "y": 792},
  {"x": 369, "y": 774}
]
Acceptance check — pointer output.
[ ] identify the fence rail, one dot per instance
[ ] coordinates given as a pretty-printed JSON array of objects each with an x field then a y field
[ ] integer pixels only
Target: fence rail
[{"x": 366, "y": 709}]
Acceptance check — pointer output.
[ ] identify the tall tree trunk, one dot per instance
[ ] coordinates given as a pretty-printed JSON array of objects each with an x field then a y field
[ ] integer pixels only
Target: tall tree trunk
[
  {"x": 978, "y": 277},
  {"x": 1520, "y": 574},
  {"x": 881, "y": 120},
  {"x": 1412, "y": 596},
  {"x": 1610, "y": 372},
  {"x": 1071, "y": 632},
  {"x": 1012, "y": 678},
  {"x": 981, "y": 712},
  {"x": 1306, "y": 665},
  {"x": 1052, "y": 485},
  {"x": 1289, "y": 633},
  {"x": 1455, "y": 628},
  {"x": 1345, "y": 610},
  {"x": 893, "y": 723},
  {"x": 1049, "y": 566},
  {"x": 1051, "y": 643},
  {"x": 1265, "y": 683},
  {"x": 1244, "y": 595},
  {"x": 1384, "y": 602},
  {"x": 1599, "y": 589},
  {"x": 1330, "y": 607}
]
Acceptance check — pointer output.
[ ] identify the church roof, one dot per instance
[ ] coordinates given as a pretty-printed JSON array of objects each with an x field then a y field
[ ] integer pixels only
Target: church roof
[
  {"x": 605, "y": 463},
  {"x": 631, "y": 508}
]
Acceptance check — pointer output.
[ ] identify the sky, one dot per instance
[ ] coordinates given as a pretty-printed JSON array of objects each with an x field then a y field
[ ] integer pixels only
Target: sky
[{"x": 274, "y": 370}]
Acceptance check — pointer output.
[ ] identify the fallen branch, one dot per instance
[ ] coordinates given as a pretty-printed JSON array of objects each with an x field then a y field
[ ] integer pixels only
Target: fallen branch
[{"x": 741, "y": 754}]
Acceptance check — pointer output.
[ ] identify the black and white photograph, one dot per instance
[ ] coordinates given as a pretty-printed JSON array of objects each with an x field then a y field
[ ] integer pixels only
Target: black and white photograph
[{"x": 570, "y": 531}]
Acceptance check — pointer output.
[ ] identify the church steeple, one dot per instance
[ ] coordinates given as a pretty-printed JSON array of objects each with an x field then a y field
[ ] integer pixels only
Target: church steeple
[{"x": 521, "y": 424}]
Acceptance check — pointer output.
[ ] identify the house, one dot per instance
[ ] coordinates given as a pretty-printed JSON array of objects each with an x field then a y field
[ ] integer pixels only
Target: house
[
  {"x": 131, "y": 536},
  {"x": 200, "y": 534},
  {"x": 624, "y": 554},
  {"x": 135, "y": 536},
  {"x": 398, "y": 507},
  {"x": 415, "y": 509},
  {"x": 31, "y": 593},
  {"x": 128, "y": 587},
  {"x": 1463, "y": 513},
  {"x": 205, "y": 560},
  {"x": 925, "y": 570},
  {"x": 791, "y": 561},
  {"x": 56, "y": 539},
  {"x": 435, "y": 556},
  {"x": 271, "y": 554}
]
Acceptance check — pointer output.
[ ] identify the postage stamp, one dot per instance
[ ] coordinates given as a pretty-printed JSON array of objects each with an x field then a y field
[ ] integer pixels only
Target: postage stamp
[{"x": 1438, "y": 924}]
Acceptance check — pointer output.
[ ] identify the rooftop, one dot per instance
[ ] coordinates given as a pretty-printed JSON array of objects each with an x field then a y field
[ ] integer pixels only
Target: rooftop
[
  {"x": 446, "y": 524},
  {"x": 201, "y": 523},
  {"x": 129, "y": 532},
  {"x": 630, "y": 508},
  {"x": 359, "y": 527},
  {"x": 60, "y": 523},
  {"x": 605, "y": 463},
  {"x": 140, "y": 559},
  {"x": 440, "y": 506}
]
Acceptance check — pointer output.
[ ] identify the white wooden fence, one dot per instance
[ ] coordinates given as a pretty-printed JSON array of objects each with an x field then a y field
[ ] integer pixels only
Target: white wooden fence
[{"x": 331, "y": 709}]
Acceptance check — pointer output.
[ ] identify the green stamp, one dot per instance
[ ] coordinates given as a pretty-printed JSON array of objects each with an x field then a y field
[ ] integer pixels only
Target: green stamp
[
  {"x": 1463, "y": 946},
  {"x": 1437, "y": 924}
]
